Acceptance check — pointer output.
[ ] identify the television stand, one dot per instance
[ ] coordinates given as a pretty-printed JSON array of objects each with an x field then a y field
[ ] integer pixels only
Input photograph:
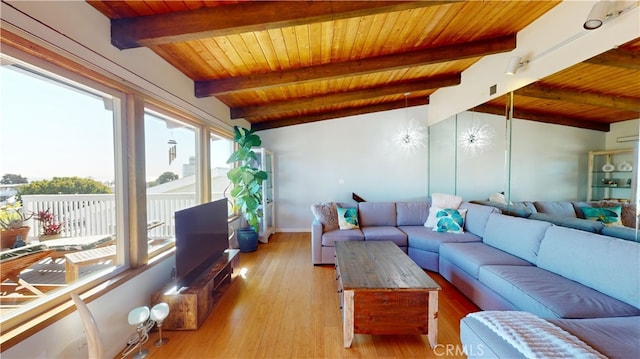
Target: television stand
[{"x": 190, "y": 306}]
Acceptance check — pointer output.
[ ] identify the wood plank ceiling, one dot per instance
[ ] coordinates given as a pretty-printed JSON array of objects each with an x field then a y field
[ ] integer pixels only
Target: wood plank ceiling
[{"x": 285, "y": 63}]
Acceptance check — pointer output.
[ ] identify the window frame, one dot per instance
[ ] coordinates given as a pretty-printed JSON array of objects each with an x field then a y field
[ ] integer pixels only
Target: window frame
[
  {"x": 132, "y": 254},
  {"x": 46, "y": 69}
]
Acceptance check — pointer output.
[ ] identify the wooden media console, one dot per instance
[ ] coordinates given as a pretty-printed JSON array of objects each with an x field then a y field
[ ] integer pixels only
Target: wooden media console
[{"x": 190, "y": 306}]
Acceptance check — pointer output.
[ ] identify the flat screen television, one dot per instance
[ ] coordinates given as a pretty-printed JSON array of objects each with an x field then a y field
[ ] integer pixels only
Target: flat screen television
[{"x": 202, "y": 235}]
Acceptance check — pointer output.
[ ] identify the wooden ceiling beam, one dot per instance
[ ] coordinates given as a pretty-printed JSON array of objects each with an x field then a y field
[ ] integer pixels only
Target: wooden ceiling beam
[
  {"x": 244, "y": 17},
  {"x": 626, "y": 59},
  {"x": 249, "y": 112},
  {"x": 328, "y": 115},
  {"x": 453, "y": 52},
  {"x": 586, "y": 98},
  {"x": 545, "y": 118}
]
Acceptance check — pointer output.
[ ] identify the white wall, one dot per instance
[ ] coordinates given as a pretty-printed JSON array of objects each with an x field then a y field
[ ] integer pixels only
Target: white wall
[
  {"x": 549, "y": 162},
  {"x": 328, "y": 160}
]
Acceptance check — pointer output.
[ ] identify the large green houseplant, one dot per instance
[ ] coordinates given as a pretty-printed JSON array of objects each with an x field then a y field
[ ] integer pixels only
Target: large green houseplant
[{"x": 247, "y": 184}]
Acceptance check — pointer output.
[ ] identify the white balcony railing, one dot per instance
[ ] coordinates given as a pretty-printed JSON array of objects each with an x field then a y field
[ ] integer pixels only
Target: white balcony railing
[{"x": 95, "y": 214}]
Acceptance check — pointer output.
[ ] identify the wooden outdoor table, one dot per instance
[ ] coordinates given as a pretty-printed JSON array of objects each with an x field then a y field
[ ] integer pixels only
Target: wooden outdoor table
[{"x": 382, "y": 291}]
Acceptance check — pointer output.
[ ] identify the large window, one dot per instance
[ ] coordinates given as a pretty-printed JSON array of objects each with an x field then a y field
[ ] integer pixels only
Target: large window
[
  {"x": 57, "y": 162},
  {"x": 170, "y": 163},
  {"x": 69, "y": 161},
  {"x": 220, "y": 148}
]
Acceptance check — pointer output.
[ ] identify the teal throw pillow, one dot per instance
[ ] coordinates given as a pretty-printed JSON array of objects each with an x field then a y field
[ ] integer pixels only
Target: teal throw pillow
[
  {"x": 450, "y": 220},
  {"x": 610, "y": 216},
  {"x": 348, "y": 218}
]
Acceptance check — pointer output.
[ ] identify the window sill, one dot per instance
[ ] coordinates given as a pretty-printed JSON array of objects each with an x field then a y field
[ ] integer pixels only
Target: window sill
[{"x": 27, "y": 326}]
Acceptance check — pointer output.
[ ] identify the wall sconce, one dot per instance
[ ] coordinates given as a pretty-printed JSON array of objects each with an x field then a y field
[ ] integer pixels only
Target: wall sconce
[
  {"x": 515, "y": 62},
  {"x": 474, "y": 139}
]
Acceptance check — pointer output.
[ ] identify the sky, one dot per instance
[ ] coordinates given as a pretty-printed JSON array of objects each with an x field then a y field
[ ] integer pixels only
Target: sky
[{"x": 74, "y": 135}]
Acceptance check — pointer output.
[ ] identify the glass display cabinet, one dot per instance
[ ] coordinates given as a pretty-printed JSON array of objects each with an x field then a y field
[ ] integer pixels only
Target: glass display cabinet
[
  {"x": 611, "y": 175},
  {"x": 268, "y": 225}
]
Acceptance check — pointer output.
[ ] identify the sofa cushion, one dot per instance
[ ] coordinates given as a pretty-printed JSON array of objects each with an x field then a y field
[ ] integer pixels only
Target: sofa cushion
[
  {"x": 426, "y": 239},
  {"x": 610, "y": 216},
  {"x": 327, "y": 214},
  {"x": 411, "y": 213},
  {"x": 626, "y": 233},
  {"x": 518, "y": 236},
  {"x": 570, "y": 222},
  {"x": 330, "y": 238},
  {"x": 377, "y": 214},
  {"x": 577, "y": 207},
  {"x": 550, "y": 295},
  {"x": 382, "y": 233},
  {"x": 450, "y": 220},
  {"x": 477, "y": 217},
  {"x": 559, "y": 208},
  {"x": 613, "y": 337},
  {"x": 628, "y": 212},
  {"x": 609, "y": 265},
  {"x": 471, "y": 256},
  {"x": 441, "y": 201},
  {"x": 348, "y": 218},
  {"x": 516, "y": 210}
]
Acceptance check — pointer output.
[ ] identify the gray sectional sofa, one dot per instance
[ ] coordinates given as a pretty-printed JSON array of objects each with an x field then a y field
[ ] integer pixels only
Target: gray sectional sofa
[
  {"x": 570, "y": 214},
  {"x": 402, "y": 223},
  {"x": 586, "y": 283}
]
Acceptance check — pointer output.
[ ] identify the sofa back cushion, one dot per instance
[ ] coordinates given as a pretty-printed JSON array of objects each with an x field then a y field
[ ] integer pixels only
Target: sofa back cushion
[
  {"x": 558, "y": 208},
  {"x": 518, "y": 236},
  {"x": 606, "y": 264},
  {"x": 476, "y": 218},
  {"x": 517, "y": 210},
  {"x": 377, "y": 214},
  {"x": 571, "y": 222},
  {"x": 412, "y": 213}
]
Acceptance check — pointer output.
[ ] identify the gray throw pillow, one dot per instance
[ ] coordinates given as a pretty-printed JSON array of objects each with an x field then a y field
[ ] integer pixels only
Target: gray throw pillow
[{"x": 326, "y": 213}]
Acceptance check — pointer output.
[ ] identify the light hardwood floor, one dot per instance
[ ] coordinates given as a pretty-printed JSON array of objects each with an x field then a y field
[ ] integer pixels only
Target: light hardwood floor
[{"x": 285, "y": 307}]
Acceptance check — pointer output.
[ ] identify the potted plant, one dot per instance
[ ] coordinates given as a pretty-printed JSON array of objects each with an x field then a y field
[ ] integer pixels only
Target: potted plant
[
  {"x": 12, "y": 224},
  {"x": 50, "y": 228},
  {"x": 247, "y": 186}
]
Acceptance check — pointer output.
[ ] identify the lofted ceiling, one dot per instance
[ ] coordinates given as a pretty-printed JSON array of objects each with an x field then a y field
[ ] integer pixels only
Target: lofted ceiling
[{"x": 284, "y": 63}]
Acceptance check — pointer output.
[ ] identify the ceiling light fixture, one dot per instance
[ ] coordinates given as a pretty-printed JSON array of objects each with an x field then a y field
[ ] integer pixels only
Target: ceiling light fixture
[
  {"x": 515, "y": 62},
  {"x": 474, "y": 139},
  {"x": 413, "y": 136},
  {"x": 606, "y": 10},
  {"x": 598, "y": 13}
]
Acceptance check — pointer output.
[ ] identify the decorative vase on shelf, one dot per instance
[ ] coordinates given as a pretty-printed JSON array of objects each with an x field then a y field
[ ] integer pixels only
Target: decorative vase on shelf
[
  {"x": 608, "y": 167},
  {"x": 624, "y": 166},
  {"x": 8, "y": 237}
]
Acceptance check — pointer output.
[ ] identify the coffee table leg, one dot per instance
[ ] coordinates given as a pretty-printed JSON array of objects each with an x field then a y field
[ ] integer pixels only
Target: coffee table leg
[
  {"x": 347, "y": 317},
  {"x": 432, "y": 325}
]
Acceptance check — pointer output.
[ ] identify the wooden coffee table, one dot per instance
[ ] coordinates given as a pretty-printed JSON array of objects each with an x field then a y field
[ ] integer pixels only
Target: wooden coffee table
[{"x": 382, "y": 291}]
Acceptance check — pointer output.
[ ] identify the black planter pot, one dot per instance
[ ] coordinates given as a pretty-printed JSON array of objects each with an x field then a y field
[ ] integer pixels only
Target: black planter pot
[{"x": 247, "y": 239}]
